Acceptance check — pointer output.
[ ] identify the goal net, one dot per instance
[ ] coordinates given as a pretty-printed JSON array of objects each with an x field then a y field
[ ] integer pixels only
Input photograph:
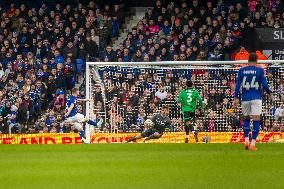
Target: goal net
[{"x": 126, "y": 94}]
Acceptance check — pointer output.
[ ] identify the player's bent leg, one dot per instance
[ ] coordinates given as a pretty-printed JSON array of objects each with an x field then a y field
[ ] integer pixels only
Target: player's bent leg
[
  {"x": 189, "y": 122},
  {"x": 79, "y": 127},
  {"x": 190, "y": 128},
  {"x": 83, "y": 119},
  {"x": 186, "y": 128},
  {"x": 156, "y": 135},
  {"x": 80, "y": 118},
  {"x": 134, "y": 138}
]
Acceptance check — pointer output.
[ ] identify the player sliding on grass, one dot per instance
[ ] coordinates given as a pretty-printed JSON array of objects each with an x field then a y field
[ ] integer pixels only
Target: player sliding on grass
[
  {"x": 72, "y": 115},
  {"x": 187, "y": 99},
  {"x": 252, "y": 79},
  {"x": 155, "y": 127}
]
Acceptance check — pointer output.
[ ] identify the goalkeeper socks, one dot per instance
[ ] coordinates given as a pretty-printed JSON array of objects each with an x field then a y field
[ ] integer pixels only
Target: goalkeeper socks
[
  {"x": 246, "y": 127},
  {"x": 82, "y": 133},
  {"x": 186, "y": 136},
  {"x": 91, "y": 122},
  {"x": 255, "y": 129}
]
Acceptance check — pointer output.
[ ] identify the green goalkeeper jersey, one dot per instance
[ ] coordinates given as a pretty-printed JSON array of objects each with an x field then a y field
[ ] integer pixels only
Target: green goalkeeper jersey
[{"x": 188, "y": 98}]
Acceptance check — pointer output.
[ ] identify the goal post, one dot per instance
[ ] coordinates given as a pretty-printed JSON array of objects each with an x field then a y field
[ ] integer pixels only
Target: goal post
[
  {"x": 114, "y": 110},
  {"x": 88, "y": 107}
]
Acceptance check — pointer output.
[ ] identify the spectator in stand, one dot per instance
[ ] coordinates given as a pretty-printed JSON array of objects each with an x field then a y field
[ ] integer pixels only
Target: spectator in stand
[
  {"x": 201, "y": 27},
  {"x": 279, "y": 112},
  {"x": 41, "y": 46},
  {"x": 39, "y": 49}
]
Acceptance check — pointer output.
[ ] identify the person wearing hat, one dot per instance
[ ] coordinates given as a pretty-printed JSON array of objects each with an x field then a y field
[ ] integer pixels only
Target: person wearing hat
[{"x": 59, "y": 102}]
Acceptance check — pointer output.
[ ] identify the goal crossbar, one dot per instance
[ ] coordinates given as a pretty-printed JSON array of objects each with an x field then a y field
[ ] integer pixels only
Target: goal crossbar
[{"x": 180, "y": 63}]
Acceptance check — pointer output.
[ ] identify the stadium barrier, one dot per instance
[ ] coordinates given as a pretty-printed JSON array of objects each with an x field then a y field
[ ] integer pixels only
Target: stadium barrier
[{"x": 168, "y": 137}]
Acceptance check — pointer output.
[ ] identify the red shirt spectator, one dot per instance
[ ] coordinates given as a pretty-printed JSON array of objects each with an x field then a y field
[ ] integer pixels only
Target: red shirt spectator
[
  {"x": 251, "y": 5},
  {"x": 261, "y": 56},
  {"x": 153, "y": 28},
  {"x": 242, "y": 54}
]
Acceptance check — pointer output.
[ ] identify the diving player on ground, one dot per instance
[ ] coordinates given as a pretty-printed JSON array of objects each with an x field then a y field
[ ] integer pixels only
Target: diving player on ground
[
  {"x": 187, "y": 99},
  {"x": 252, "y": 79},
  {"x": 72, "y": 115},
  {"x": 160, "y": 122}
]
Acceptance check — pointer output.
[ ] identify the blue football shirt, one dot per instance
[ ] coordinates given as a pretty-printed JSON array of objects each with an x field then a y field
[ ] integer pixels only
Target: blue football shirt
[
  {"x": 252, "y": 80},
  {"x": 72, "y": 100}
]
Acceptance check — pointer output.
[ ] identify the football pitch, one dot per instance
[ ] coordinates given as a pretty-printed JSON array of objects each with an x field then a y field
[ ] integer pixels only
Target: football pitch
[{"x": 147, "y": 166}]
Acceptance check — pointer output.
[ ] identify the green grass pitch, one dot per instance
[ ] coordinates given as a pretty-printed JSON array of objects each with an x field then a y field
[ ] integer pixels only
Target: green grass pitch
[{"x": 147, "y": 166}]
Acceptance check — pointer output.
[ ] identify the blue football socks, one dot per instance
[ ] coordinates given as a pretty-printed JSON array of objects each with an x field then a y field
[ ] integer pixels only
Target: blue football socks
[
  {"x": 82, "y": 134},
  {"x": 246, "y": 127},
  {"x": 255, "y": 129},
  {"x": 91, "y": 122}
]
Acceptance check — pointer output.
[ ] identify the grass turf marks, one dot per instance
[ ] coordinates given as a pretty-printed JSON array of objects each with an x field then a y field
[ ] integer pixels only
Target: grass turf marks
[{"x": 141, "y": 166}]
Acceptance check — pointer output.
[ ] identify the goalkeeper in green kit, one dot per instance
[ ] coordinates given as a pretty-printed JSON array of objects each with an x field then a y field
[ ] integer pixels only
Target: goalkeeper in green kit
[{"x": 187, "y": 99}]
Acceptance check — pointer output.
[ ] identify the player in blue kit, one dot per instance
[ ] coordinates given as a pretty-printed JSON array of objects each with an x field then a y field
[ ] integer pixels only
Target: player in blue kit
[
  {"x": 72, "y": 115},
  {"x": 252, "y": 79}
]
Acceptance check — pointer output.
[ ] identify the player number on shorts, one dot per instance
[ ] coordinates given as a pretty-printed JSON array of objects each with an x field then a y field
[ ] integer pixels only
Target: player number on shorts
[{"x": 251, "y": 85}]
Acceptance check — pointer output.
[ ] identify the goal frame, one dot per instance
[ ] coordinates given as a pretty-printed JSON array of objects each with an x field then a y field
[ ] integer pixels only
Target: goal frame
[{"x": 160, "y": 63}]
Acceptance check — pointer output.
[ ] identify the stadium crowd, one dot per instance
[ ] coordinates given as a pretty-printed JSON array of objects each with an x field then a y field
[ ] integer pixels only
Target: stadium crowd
[
  {"x": 197, "y": 30},
  {"x": 182, "y": 31},
  {"x": 43, "y": 46}
]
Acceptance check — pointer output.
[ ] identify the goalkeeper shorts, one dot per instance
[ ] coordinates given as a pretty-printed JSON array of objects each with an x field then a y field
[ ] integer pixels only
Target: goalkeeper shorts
[{"x": 189, "y": 116}]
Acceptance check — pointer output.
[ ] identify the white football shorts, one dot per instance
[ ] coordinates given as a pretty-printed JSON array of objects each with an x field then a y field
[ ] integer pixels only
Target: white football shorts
[
  {"x": 251, "y": 108},
  {"x": 77, "y": 120}
]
